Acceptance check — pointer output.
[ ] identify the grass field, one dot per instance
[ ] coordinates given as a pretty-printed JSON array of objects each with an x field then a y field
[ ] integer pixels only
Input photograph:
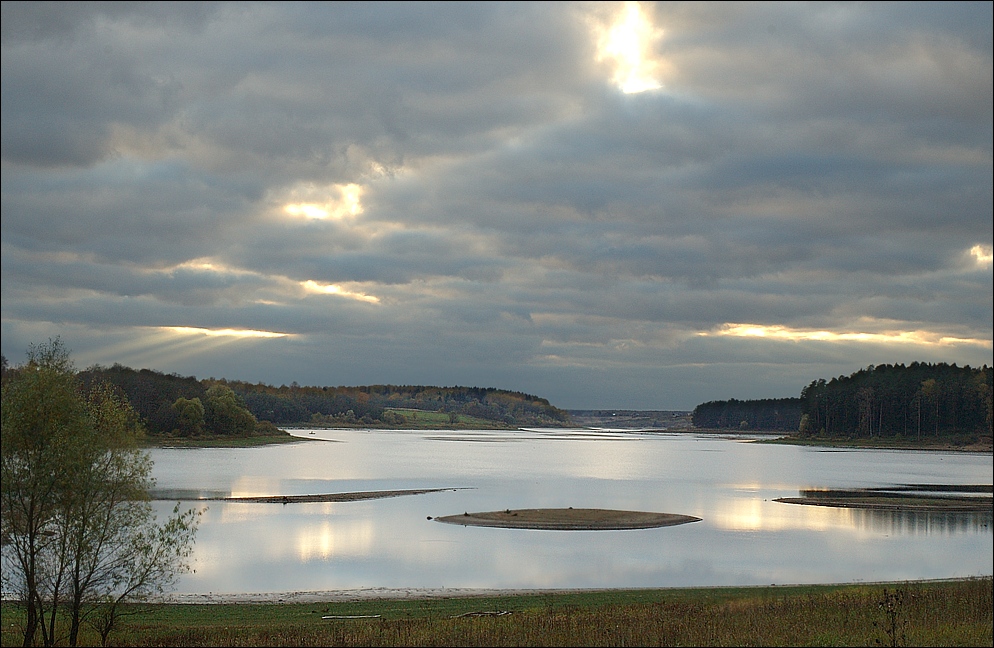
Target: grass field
[{"x": 932, "y": 613}]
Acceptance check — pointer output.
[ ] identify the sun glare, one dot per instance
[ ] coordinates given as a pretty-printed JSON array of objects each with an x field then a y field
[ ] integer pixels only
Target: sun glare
[
  {"x": 924, "y": 338},
  {"x": 983, "y": 254},
  {"x": 335, "y": 289},
  {"x": 237, "y": 333},
  {"x": 628, "y": 43},
  {"x": 340, "y": 201}
]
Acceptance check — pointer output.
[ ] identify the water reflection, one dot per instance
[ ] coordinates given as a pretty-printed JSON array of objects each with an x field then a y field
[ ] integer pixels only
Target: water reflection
[
  {"x": 921, "y": 522},
  {"x": 327, "y": 539},
  {"x": 745, "y": 537},
  {"x": 180, "y": 494},
  {"x": 764, "y": 515},
  {"x": 254, "y": 486}
]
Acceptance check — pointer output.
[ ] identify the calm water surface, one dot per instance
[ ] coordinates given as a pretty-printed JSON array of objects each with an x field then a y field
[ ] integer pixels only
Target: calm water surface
[{"x": 744, "y": 538}]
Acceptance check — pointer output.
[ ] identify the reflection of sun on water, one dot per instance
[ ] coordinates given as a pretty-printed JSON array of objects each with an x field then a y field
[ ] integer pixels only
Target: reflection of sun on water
[
  {"x": 253, "y": 486},
  {"x": 754, "y": 514},
  {"x": 334, "y": 539}
]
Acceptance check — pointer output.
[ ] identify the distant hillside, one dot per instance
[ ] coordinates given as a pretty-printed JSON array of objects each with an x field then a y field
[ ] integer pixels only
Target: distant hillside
[
  {"x": 385, "y": 404},
  {"x": 185, "y": 406},
  {"x": 630, "y": 419}
]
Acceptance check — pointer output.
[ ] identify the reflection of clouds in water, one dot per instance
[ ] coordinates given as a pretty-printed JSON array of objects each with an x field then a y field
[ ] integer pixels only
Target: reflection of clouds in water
[
  {"x": 758, "y": 515},
  {"x": 753, "y": 514},
  {"x": 607, "y": 460},
  {"x": 745, "y": 538},
  {"x": 239, "y": 512}
]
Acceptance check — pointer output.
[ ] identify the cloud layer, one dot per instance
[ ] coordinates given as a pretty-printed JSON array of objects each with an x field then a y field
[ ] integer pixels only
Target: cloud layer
[{"x": 462, "y": 194}]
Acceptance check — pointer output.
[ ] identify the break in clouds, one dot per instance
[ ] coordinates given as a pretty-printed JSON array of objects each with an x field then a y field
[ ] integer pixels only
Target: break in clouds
[{"x": 608, "y": 205}]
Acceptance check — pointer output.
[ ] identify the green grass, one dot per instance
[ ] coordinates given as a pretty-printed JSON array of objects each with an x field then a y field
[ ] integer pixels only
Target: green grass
[{"x": 930, "y": 613}]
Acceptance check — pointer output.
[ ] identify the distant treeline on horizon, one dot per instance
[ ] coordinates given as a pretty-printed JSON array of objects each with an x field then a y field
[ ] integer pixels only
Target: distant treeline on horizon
[
  {"x": 919, "y": 400},
  {"x": 186, "y": 406}
]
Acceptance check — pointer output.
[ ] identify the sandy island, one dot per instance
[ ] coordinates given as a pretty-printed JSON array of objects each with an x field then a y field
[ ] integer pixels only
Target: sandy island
[{"x": 568, "y": 519}]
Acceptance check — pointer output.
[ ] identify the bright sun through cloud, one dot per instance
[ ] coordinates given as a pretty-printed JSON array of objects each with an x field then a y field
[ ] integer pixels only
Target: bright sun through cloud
[
  {"x": 983, "y": 254},
  {"x": 342, "y": 202},
  {"x": 924, "y": 338},
  {"x": 628, "y": 43},
  {"x": 242, "y": 333},
  {"x": 335, "y": 289}
]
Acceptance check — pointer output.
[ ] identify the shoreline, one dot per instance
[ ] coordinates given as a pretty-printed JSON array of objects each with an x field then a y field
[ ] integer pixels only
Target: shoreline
[
  {"x": 429, "y": 593},
  {"x": 983, "y": 445}
]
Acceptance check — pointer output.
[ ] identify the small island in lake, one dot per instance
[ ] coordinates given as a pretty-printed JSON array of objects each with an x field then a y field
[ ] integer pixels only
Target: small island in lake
[{"x": 569, "y": 519}]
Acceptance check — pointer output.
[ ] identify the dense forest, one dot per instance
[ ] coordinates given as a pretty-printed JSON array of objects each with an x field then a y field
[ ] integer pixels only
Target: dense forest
[
  {"x": 185, "y": 406},
  {"x": 780, "y": 414},
  {"x": 920, "y": 400}
]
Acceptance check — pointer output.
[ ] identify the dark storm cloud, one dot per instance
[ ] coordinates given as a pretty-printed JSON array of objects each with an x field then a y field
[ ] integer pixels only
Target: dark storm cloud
[{"x": 520, "y": 222}]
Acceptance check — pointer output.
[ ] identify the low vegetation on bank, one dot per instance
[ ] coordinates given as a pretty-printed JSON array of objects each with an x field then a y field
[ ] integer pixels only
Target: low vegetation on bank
[{"x": 932, "y": 613}]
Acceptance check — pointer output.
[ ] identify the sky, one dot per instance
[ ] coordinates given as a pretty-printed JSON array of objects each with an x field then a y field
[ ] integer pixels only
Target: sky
[{"x": 621, "y": 205}]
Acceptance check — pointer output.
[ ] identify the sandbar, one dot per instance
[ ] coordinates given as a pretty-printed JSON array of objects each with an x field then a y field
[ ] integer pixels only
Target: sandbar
[
  {"x": 908, "y": 497},
  {"x": 328, "y": 497},
  {"x": 568, "y": 519},
  {"x": 925, "y": 504}
]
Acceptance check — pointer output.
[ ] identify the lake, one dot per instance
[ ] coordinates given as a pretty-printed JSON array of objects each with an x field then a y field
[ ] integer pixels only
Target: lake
[{"x": 743, "y": 538}]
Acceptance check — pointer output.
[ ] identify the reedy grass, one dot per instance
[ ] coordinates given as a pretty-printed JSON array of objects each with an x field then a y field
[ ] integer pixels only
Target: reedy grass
[{"x": 930, "y": 613}]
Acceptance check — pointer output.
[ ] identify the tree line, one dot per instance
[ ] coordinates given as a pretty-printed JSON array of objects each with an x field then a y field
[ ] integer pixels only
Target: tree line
[
  {"x": 919, "y": 400},
  {"x": 780, "y": 414},
  {"x": 170, "y": 404}
]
